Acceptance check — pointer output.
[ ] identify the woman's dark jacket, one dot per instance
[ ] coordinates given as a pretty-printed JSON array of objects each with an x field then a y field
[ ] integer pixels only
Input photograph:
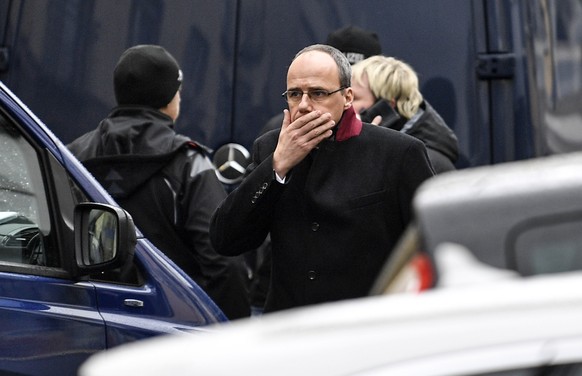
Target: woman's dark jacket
[
  {"x": 335, "y": 221},
  {"x": 168, "y": 185},
  {"x": 426, "y": 125}
]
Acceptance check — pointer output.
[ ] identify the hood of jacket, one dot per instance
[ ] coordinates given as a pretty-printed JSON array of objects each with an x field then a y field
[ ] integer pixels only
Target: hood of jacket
[
  {"x": 129, "y": 147},
  {"x": 427, "y": 125}
]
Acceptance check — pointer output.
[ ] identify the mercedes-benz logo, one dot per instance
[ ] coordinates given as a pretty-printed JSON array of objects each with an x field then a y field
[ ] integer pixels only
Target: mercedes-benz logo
[{"x": 231, "y": 162}]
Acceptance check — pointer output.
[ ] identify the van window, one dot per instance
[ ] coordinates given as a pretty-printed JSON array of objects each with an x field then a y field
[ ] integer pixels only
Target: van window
[{"x": 25, "y": 226}]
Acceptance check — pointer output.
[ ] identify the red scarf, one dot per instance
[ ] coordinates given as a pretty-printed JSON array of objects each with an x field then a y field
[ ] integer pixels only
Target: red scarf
[{"x": 349, "y": 126}]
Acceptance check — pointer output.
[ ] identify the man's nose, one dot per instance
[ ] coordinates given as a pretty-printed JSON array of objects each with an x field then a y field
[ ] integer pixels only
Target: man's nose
[{"x": 305, "y": 101}]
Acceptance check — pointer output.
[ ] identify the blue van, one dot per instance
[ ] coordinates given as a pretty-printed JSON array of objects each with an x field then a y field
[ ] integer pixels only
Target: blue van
[
  {"x": 76, "y": 277},
  {"x": 506, "y": 75}
]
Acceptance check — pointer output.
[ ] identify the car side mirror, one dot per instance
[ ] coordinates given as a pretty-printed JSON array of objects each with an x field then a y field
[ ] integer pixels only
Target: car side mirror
[{"x": 105, "y": 237}]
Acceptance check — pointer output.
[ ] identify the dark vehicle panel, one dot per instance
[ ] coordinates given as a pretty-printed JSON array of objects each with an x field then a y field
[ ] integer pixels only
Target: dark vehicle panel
[
  {"x": 505, "y": 75},
  {"x": 75, "y": 275}
]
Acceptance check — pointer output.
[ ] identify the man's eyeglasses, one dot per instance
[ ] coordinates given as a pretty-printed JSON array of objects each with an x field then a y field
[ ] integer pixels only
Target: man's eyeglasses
[{"x": 316, "y": 95}]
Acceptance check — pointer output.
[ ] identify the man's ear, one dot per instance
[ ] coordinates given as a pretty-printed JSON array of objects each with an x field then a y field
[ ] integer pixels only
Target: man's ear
[{"x": 349, "y": 97}]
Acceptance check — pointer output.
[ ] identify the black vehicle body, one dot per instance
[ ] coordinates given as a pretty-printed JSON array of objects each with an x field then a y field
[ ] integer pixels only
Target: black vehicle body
[{"x": 506, "y": 75}]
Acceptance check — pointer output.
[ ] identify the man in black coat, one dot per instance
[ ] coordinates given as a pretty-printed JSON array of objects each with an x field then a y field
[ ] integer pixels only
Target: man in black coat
[
  {"x": 357, "y": 44},
  {"x": 163, "y": 179},
  {"x": 333, "y": 193}
]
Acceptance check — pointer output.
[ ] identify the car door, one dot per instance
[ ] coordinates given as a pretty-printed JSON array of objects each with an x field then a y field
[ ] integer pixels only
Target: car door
[{"x": 48, "y": 323}]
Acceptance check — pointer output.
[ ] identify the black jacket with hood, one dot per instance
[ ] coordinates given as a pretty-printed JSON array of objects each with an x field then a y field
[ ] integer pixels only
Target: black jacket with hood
[
  {"x": 168, "y": 185},
  {"x": 426, "y": 125}
]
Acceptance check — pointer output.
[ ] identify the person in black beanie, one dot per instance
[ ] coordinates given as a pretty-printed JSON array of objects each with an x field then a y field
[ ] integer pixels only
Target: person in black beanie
[
  {"x": 356, "y": 43},
  {"x": 163, "y": 179}
]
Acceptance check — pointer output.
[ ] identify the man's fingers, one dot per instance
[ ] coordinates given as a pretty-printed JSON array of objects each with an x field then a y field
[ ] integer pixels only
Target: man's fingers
[
  {"x": 309, "y": 129},
  {"x": 318, "y": 125},
  {"x": 286, "y": 118},
  {"x": 323, "y": 128},
  {"x": 308, "y": 121}
]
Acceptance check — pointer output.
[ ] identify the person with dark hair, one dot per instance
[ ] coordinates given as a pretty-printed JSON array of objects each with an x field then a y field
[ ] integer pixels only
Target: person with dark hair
[
  {"x": 163, "y": 179},
  {"x": 333, "y": 193},
  {"x": 354, "y": 42},
  {"x": 357, "y": 44}
]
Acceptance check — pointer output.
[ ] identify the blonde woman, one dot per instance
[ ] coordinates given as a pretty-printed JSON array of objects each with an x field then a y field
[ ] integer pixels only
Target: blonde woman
[{"x": 386, "y": 93}]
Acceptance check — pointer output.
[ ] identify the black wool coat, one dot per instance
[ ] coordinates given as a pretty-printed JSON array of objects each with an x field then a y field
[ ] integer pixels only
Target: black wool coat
[{"x": 336, "y": 219}]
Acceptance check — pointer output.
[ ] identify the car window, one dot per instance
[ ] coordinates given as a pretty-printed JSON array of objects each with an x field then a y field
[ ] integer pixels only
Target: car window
[
  {"x": 28, "y": 237},
  {"x": 548, "y": 245},
  {"x": 25, "y": 225}
]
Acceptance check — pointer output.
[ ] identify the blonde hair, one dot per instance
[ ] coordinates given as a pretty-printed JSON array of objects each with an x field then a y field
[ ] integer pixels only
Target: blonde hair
[{"x": 392, "y": 80}]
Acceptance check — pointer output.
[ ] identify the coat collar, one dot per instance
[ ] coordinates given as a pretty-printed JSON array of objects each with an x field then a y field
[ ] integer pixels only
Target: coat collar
[{"x": 349, "y": 125}]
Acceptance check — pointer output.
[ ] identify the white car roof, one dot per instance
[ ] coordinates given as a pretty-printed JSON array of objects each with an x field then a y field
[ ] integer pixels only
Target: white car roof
[
  {"x": 510, "y": 323},
  {"x": 488, "y": 208}
]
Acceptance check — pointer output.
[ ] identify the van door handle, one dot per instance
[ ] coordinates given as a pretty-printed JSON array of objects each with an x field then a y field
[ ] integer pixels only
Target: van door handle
[{"x": 133, "y": 303}]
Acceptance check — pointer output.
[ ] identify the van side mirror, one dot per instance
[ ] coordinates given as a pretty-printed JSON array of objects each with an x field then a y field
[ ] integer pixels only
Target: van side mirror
[{"x": 104, "y": 237}]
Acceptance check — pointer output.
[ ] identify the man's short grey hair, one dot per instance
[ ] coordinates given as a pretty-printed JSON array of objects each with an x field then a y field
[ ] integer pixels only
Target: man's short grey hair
[{"x": 342, "y": 62}]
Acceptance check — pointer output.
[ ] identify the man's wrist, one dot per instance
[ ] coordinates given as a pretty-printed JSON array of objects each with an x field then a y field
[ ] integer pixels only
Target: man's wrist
[{"x": 279, "y": 178}]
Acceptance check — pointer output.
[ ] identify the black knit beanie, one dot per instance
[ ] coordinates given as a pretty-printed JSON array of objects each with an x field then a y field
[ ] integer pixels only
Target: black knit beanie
[
  {"x": 146, "y": 75},
  {"x": 356, "y": 43}
]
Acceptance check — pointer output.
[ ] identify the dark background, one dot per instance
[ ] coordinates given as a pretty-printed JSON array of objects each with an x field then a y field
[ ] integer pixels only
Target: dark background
[{"x": 58, "y": 57}]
